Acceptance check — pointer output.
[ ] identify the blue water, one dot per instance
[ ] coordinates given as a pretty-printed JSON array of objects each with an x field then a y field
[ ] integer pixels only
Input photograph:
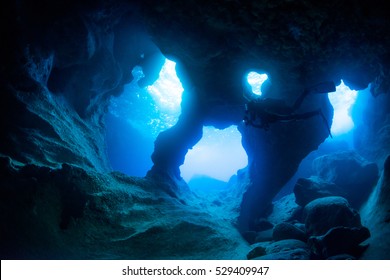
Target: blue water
[
  {"x": 137, "y": 116},
  {"x": 219, "y": 154}
]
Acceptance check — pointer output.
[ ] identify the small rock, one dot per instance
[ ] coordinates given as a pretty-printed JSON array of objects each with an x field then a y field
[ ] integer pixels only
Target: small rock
[{"x": 288, "y": 231}]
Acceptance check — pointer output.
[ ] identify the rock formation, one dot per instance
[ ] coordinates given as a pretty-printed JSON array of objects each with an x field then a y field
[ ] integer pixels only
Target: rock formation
[{"x": 62, "y": 61}]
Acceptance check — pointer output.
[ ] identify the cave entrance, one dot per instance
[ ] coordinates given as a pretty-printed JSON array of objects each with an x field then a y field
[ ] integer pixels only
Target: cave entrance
[
  {"x": 137, "y": 116},
  {"x": 342, "y": 100},
  {"x": 214, "y": 159},
  {"x": 256, "y": 80}
]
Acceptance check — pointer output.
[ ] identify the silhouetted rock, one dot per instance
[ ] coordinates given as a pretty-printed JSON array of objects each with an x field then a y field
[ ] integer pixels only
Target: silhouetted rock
[
  {"x": 325, "y": 213},
  {"x": 308, "y": 189},
  {"x": 355, "y": 176},
  {"x": 338, "y": 241}
]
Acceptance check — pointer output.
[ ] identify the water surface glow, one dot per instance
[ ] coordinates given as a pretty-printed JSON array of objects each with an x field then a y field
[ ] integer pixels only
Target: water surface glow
[
  {"x": 256, "y": 80},
  {"x": 342, "y": 101}
]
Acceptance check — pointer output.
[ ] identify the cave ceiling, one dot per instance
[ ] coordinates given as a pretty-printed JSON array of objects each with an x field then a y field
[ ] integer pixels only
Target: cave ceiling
[{"x": 297, "y": 42}]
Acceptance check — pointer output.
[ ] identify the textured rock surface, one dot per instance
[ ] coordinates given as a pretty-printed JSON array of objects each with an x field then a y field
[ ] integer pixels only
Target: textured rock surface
[
  {"x": 69, "y": 213},
  {"x": 372, "y": 127},
  {"x": 376, "y": 215},
  {"x": 308, "y": 189},
  {"x": 322, "y": 214},
  {"x": 350, "y": 172},
  {"x": 284, "y": 210}
]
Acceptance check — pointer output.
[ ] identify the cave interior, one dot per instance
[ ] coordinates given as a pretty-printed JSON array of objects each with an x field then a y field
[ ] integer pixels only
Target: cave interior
[{"x": 195, "y": 129}]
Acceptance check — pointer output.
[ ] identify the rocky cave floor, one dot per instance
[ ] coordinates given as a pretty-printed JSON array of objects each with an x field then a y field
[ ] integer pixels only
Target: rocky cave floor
[{"x": 70, "y": 213}]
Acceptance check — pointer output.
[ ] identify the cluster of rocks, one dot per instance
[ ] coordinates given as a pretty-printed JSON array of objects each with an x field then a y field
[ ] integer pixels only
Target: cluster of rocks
[{"x": 319, "y": 220}]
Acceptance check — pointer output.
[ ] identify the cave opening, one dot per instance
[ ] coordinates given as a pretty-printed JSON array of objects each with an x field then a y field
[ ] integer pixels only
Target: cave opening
[
  {"x": 213, "y": 161},
  {"x": 138, "y": 115},
  {"x": 256, "y": 80}
]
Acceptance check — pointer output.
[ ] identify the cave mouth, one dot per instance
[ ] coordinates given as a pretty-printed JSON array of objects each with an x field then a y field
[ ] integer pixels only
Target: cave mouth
[
  {"x": 136, "y": 117},
  {"x": 342, "y": 100},
  {"x": 214, "y": 159},
  {"x": 256, "y": 80}
]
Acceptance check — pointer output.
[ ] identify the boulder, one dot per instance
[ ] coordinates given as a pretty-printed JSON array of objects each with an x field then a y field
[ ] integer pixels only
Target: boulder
[
  {"x": 288, "y": 231},
  {"x": 350, "y": 172},
  {"x": 339, "y": 241},
  {"x": 308, "y": 189},
  {"x": 325, "y": 213}
]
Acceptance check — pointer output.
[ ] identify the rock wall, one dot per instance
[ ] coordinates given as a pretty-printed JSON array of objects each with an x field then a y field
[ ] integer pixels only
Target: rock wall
[{"x": 60, "y": 70}]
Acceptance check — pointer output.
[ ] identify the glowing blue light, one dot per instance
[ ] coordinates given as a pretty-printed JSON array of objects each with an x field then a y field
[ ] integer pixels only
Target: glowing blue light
[
  {"x": 256, "y": 80},
  {"x": 342, "y": 101},
  {"x": 219, "y": 154},
  {"x": 152, "y": 109},
  {"x": 167, "y": 90}
]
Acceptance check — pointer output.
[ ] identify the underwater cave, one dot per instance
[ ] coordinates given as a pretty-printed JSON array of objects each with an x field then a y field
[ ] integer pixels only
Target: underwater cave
[{"x": 191, "y": 130}]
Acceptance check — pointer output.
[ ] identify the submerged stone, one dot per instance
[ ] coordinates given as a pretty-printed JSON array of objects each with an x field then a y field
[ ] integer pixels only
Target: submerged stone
[
  {"x": 322, "y": 214},
  {"x": 338, "y": 241}
]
